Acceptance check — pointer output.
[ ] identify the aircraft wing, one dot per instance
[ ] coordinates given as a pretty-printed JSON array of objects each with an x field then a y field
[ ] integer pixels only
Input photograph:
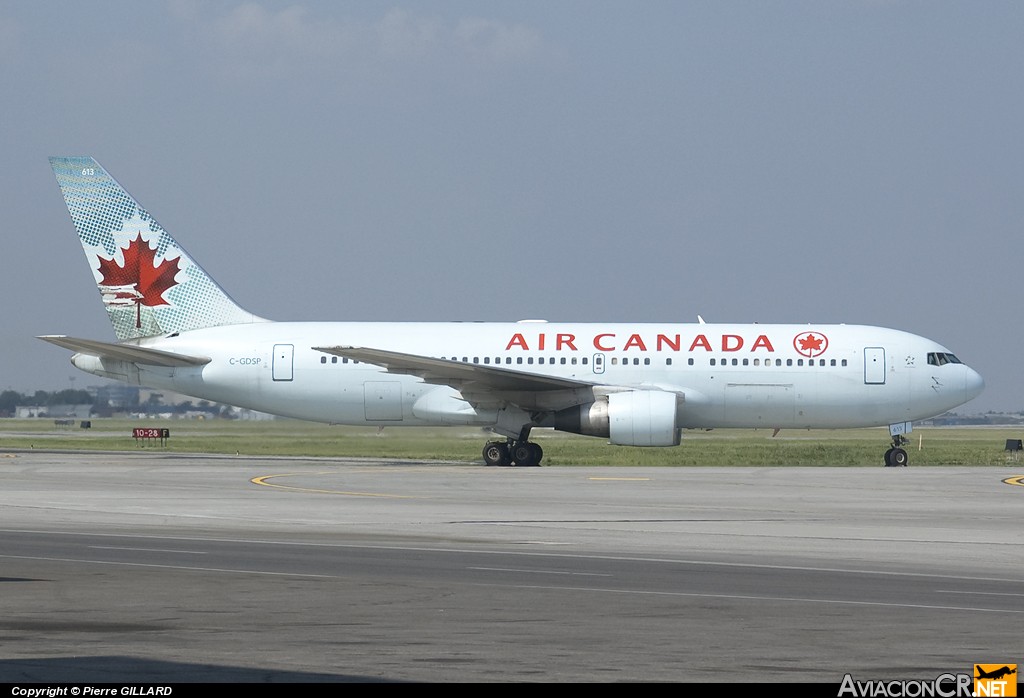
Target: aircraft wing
[
  {"x": 125, "y": 352},
  {"x": 459, "y": 375}
]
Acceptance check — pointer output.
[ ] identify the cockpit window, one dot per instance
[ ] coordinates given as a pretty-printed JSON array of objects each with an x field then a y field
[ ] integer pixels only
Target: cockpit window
[{"x": 939, "y": 358}]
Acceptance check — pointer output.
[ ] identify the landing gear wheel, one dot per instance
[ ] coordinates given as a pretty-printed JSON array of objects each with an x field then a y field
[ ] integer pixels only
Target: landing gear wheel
[
  {"x": 538, "y": 453},
  {"x": 523, "y": 453},
  {"x": 896, "y": 457},
  {"x": 496, "y": 453}
]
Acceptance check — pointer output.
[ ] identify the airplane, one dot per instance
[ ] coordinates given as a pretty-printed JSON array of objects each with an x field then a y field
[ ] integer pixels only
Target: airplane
[
  {"x": 635, "y": 384},
  {"x": 996, "y": 674}
]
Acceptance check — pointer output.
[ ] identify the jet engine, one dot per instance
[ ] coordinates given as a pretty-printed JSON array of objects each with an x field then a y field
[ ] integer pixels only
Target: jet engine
[{"x": 634, "y": 418}]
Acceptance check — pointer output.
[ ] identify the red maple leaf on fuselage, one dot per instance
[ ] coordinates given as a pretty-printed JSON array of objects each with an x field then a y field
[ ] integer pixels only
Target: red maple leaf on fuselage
[
  {"x": 140, "y": 270},
  {"x": 810, "y": 343}
]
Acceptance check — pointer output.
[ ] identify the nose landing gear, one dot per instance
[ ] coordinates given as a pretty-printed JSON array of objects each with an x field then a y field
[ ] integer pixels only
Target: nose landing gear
[{"x": 896, "y": 457}]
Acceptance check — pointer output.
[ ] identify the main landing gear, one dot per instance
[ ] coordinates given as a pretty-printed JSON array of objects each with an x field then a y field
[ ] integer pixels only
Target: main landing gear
[
  {"x": 519, "y": 451},
  {"x": 896, "y": 457}
]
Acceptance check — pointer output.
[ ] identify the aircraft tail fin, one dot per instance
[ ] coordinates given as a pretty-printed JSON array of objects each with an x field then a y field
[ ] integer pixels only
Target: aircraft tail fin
[{"x": 149, "y": 284}]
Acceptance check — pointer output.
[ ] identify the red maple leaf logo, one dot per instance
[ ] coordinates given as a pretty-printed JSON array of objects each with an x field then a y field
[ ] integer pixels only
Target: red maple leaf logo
[
  {"x": 147, "y": 280},
  {"x": 810, "y": 343}
]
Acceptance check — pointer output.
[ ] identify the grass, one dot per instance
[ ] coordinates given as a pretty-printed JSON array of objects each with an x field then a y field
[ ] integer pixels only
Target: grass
[{"x": 856, "y": 447}]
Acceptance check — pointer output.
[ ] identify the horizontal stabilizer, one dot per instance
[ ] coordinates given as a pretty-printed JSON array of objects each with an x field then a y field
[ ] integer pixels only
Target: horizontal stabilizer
[{"x": 125, "y": 352}]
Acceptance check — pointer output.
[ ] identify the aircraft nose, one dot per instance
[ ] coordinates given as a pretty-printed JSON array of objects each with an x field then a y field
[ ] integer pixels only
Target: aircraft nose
[{"x": 973, "y": 383}]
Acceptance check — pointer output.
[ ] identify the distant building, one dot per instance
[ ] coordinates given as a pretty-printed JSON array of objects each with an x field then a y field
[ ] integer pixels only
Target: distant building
[
  {"x": 118, "y": 396},
  {"x": 54, "y": 411},
  {"x": 251, "y": 415}
]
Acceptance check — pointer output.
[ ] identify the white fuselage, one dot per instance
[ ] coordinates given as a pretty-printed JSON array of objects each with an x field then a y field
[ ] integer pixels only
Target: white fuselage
[{"x": 777, "y": 376}]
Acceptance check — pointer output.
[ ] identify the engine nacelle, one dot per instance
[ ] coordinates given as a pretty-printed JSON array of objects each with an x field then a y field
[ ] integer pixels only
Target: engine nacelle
[{"x": 635, "y": 418}]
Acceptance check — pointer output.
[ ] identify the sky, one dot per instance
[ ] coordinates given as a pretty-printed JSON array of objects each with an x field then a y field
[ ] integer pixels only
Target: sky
[{"x": 855, "y": 161}]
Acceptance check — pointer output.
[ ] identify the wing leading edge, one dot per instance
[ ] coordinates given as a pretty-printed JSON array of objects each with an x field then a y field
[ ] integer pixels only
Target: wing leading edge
[{"x": 457, "y": 374}]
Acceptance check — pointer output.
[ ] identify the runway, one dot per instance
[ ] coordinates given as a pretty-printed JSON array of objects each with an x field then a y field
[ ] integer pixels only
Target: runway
[{"x": 158, "y": 567}]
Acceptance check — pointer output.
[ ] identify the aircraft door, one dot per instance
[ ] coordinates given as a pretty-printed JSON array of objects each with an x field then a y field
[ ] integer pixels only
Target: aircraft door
[
  {"x": 874, "y": 365},
  {"x": 598, "y": 363},
  {"x": 283, "y": 361}
]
